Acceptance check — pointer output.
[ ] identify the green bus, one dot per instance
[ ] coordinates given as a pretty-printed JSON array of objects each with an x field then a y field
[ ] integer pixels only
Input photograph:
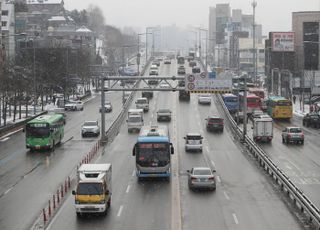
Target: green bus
[{"x": 44, "y": 132}]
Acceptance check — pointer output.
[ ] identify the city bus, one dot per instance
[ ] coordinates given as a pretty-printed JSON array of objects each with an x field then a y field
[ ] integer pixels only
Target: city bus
[
  {"x": 44, "y": 132},
  {"x": 257, "y": 91},
  {"x": 253, "y": 102},
  {"x": 279, "y": 107},
  {"x": 153, "y": 152},
  {"x": 231, "y": 101}
]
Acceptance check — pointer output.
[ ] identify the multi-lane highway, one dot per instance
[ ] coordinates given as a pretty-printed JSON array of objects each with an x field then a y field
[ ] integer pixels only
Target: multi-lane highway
[
  {"x": 300, "y": 162},
  {"x": 244, "y": 198},
  {"x": 27, "y": 179}
]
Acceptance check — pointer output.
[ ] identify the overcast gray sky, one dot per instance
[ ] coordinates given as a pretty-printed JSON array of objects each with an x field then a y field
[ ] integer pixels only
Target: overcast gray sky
[{"x": 274, "y": 15}]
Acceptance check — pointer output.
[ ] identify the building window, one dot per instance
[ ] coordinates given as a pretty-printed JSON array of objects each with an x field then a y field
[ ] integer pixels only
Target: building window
[
  {"x": 4, "y": 24},
  {"x": 5, "y": 13}
]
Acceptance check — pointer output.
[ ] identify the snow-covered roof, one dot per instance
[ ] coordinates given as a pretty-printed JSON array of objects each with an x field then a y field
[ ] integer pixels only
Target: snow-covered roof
[
  {"x": 83, "y": 29},
  {"x": 44, "y": 1},
  {"x": 57, "y": 18}
]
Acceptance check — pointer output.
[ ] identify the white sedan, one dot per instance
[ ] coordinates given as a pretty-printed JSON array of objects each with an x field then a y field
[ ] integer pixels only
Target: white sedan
[
  {"x": 204, "y": 99},
  {"x": 74, "y": 105}
]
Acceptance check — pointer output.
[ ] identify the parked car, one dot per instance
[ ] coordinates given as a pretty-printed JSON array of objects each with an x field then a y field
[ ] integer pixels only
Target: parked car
[
  {"x": 90, "y": 128},
  {"x": 214, "y": 123},
  {"x": 74, "y": 105},
  {"x": 193, "y": 142},
  {"x": 292, "y": 134},
  {"x": 311, "y": 119},
  {"x": 167, "y": 61},
  {"x": 201, "y": 178},
  {"x": 164, "y": 115},
  {"x": 204, "y": 99},
  {"x": 107, "y": 107},
  {"x": 181, "y": 70}
]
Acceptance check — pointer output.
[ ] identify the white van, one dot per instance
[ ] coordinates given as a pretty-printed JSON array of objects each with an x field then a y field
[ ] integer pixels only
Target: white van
[
  {"x": 142, "y": 103},
  {"x": 135, "y": 119}
]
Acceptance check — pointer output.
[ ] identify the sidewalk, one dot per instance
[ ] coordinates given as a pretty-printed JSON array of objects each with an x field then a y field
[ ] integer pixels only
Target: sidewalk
[{"x": 298, "y": 110}]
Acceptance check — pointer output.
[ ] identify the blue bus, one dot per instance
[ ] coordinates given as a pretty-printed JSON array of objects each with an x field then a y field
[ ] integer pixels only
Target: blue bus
[
  {"x": 153, "y": 152},
  {"x": 231, "y": 101}
]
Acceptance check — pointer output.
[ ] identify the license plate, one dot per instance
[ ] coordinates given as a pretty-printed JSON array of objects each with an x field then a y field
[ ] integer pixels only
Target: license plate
[{"x": 203, "y": 180}]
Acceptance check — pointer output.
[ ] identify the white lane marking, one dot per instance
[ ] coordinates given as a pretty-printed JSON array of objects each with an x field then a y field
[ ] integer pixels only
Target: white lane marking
[
  {"x": 226, "y": 196},
  {"x": 7, "y": 191},
  {"x": 133, "y": 173},
  {"x": 219, "y": 179},
  {"x": 213, "y": 164},
  {"x": 295, "y": 165},
  {"x": 4, "y": 139},
  {"x": 120, "y": 211},
  {"x": 207, "y": 148},
  {"x": 199, "y": 123},
  {"x": 128, "y": 188},
  {"x": 235, "y": 218}
]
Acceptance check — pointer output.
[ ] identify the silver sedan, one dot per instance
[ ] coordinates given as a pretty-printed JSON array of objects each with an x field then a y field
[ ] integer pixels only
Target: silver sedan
[{"x": 201, "y": 178}]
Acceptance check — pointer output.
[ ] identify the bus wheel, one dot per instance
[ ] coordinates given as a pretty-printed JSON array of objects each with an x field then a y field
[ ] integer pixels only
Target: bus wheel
[
  {"x": 31, "y": 150},
  {"x": 59, "y": 140}
]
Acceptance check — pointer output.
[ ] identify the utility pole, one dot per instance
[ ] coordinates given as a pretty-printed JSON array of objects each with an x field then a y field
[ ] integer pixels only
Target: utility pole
[
  {"x": 254, "y": 4},
  {"x": 103, "y": 120},
  {"x": 245, "y": 109}
]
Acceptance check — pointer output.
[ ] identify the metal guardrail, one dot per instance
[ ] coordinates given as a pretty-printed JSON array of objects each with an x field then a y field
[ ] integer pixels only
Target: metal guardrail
[{"x": 300, "y": 200}]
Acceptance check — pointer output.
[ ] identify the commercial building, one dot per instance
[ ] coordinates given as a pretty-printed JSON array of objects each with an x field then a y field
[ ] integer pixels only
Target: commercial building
[
  {"x": 280, "y": 62},
  {"x": 225, "y": 30},
  {"x": 306, "y": 27},
  {"x": 7, "y": 28}
]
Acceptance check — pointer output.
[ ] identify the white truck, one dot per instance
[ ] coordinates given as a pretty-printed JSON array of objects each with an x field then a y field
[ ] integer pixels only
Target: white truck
[
  {"x": 142, "y": 103},
  {"x": 93, "y": 191},
  {"x": 262, "y": 129},
  {"x": 135, "y": 119}
]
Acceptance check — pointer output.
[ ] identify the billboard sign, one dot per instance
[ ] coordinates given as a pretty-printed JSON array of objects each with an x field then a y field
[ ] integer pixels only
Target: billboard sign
[{"x": 283, "y": 41}]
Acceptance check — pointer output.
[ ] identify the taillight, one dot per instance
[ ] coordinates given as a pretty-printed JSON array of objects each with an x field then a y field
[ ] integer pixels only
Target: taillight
[
  {"x": 302, "y": 135},
  {"x": 200, "y": 141},
  {"x": 193, "y": 178},
  {"x": 289, "y": 135},
  {"x": 211, "y": 178}
]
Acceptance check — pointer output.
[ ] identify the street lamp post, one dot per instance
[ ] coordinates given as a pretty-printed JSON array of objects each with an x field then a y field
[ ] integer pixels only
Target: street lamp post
[
  {"x": 254, "y": 4},
  {"x": 139, "y": 55}
]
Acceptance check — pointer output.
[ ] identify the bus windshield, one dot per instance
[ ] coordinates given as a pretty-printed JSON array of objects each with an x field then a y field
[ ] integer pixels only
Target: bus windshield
[
  {"x": 153, "y": 154},
  {"x": 283, "y": 103},
  {"x": 231, "y": 99},
  {"x": 37, "y": 130}
]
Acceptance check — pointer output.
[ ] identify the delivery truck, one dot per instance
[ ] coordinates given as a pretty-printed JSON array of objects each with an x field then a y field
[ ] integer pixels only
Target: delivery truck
[
  {"x": 94, "y": 189},
  {"x": 135, "y": 119},
  {"x": 262, "y": 129}
]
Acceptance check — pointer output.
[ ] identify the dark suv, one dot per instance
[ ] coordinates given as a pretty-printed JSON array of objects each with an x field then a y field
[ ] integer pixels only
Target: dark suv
[
  {"x": 311, "y": 119},
  {"x": 214, "y": 123}
]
